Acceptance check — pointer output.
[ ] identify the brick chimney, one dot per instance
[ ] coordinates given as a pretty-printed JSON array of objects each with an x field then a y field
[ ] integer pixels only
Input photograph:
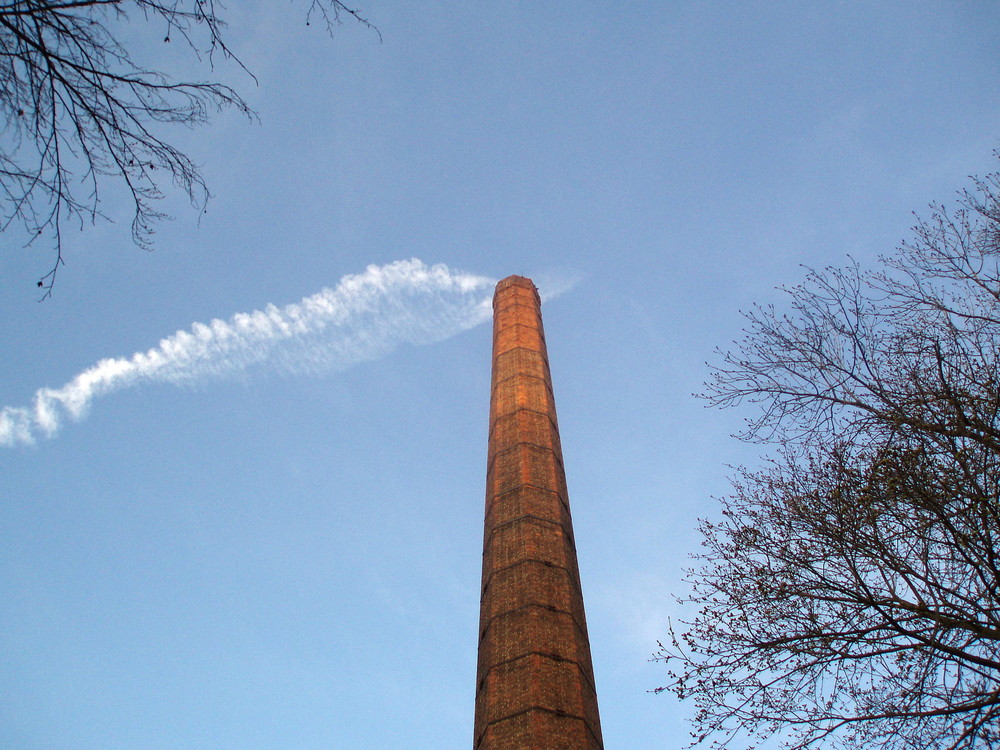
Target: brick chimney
[{"x": 535, "y": 686}]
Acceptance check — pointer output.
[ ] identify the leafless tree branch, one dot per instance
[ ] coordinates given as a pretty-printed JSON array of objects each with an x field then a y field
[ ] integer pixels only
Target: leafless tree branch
[
  {"x": 79, "y": 112},
  {"x": 850, "y": 595}
]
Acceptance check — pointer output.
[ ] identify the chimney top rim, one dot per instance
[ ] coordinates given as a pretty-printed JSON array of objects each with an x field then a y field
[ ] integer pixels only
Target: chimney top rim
[{"x": 518, "y": 281}]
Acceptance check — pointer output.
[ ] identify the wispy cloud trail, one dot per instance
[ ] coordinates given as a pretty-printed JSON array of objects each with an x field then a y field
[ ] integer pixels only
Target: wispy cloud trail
[{"x": 364, "y": 317}]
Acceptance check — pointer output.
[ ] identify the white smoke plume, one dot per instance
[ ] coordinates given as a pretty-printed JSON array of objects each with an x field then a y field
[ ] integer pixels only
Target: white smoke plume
[{"x": 364, "y": 317}]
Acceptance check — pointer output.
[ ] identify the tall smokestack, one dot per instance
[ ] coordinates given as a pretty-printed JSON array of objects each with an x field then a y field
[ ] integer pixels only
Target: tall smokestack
[{"x": 535, "y": 686}]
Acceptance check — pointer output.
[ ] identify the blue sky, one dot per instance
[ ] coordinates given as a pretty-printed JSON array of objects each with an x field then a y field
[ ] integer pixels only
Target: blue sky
[{"x": 287, "y": 556}]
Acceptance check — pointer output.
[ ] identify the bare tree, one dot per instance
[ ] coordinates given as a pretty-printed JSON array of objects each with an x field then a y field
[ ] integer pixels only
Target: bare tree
[
  {"x": 850, "y": 595},
  {"x": 80, "y": 112}
]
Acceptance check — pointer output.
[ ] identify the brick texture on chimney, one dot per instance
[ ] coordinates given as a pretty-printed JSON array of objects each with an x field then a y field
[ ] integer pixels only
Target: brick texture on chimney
[{"x": 535, "y": 684}]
